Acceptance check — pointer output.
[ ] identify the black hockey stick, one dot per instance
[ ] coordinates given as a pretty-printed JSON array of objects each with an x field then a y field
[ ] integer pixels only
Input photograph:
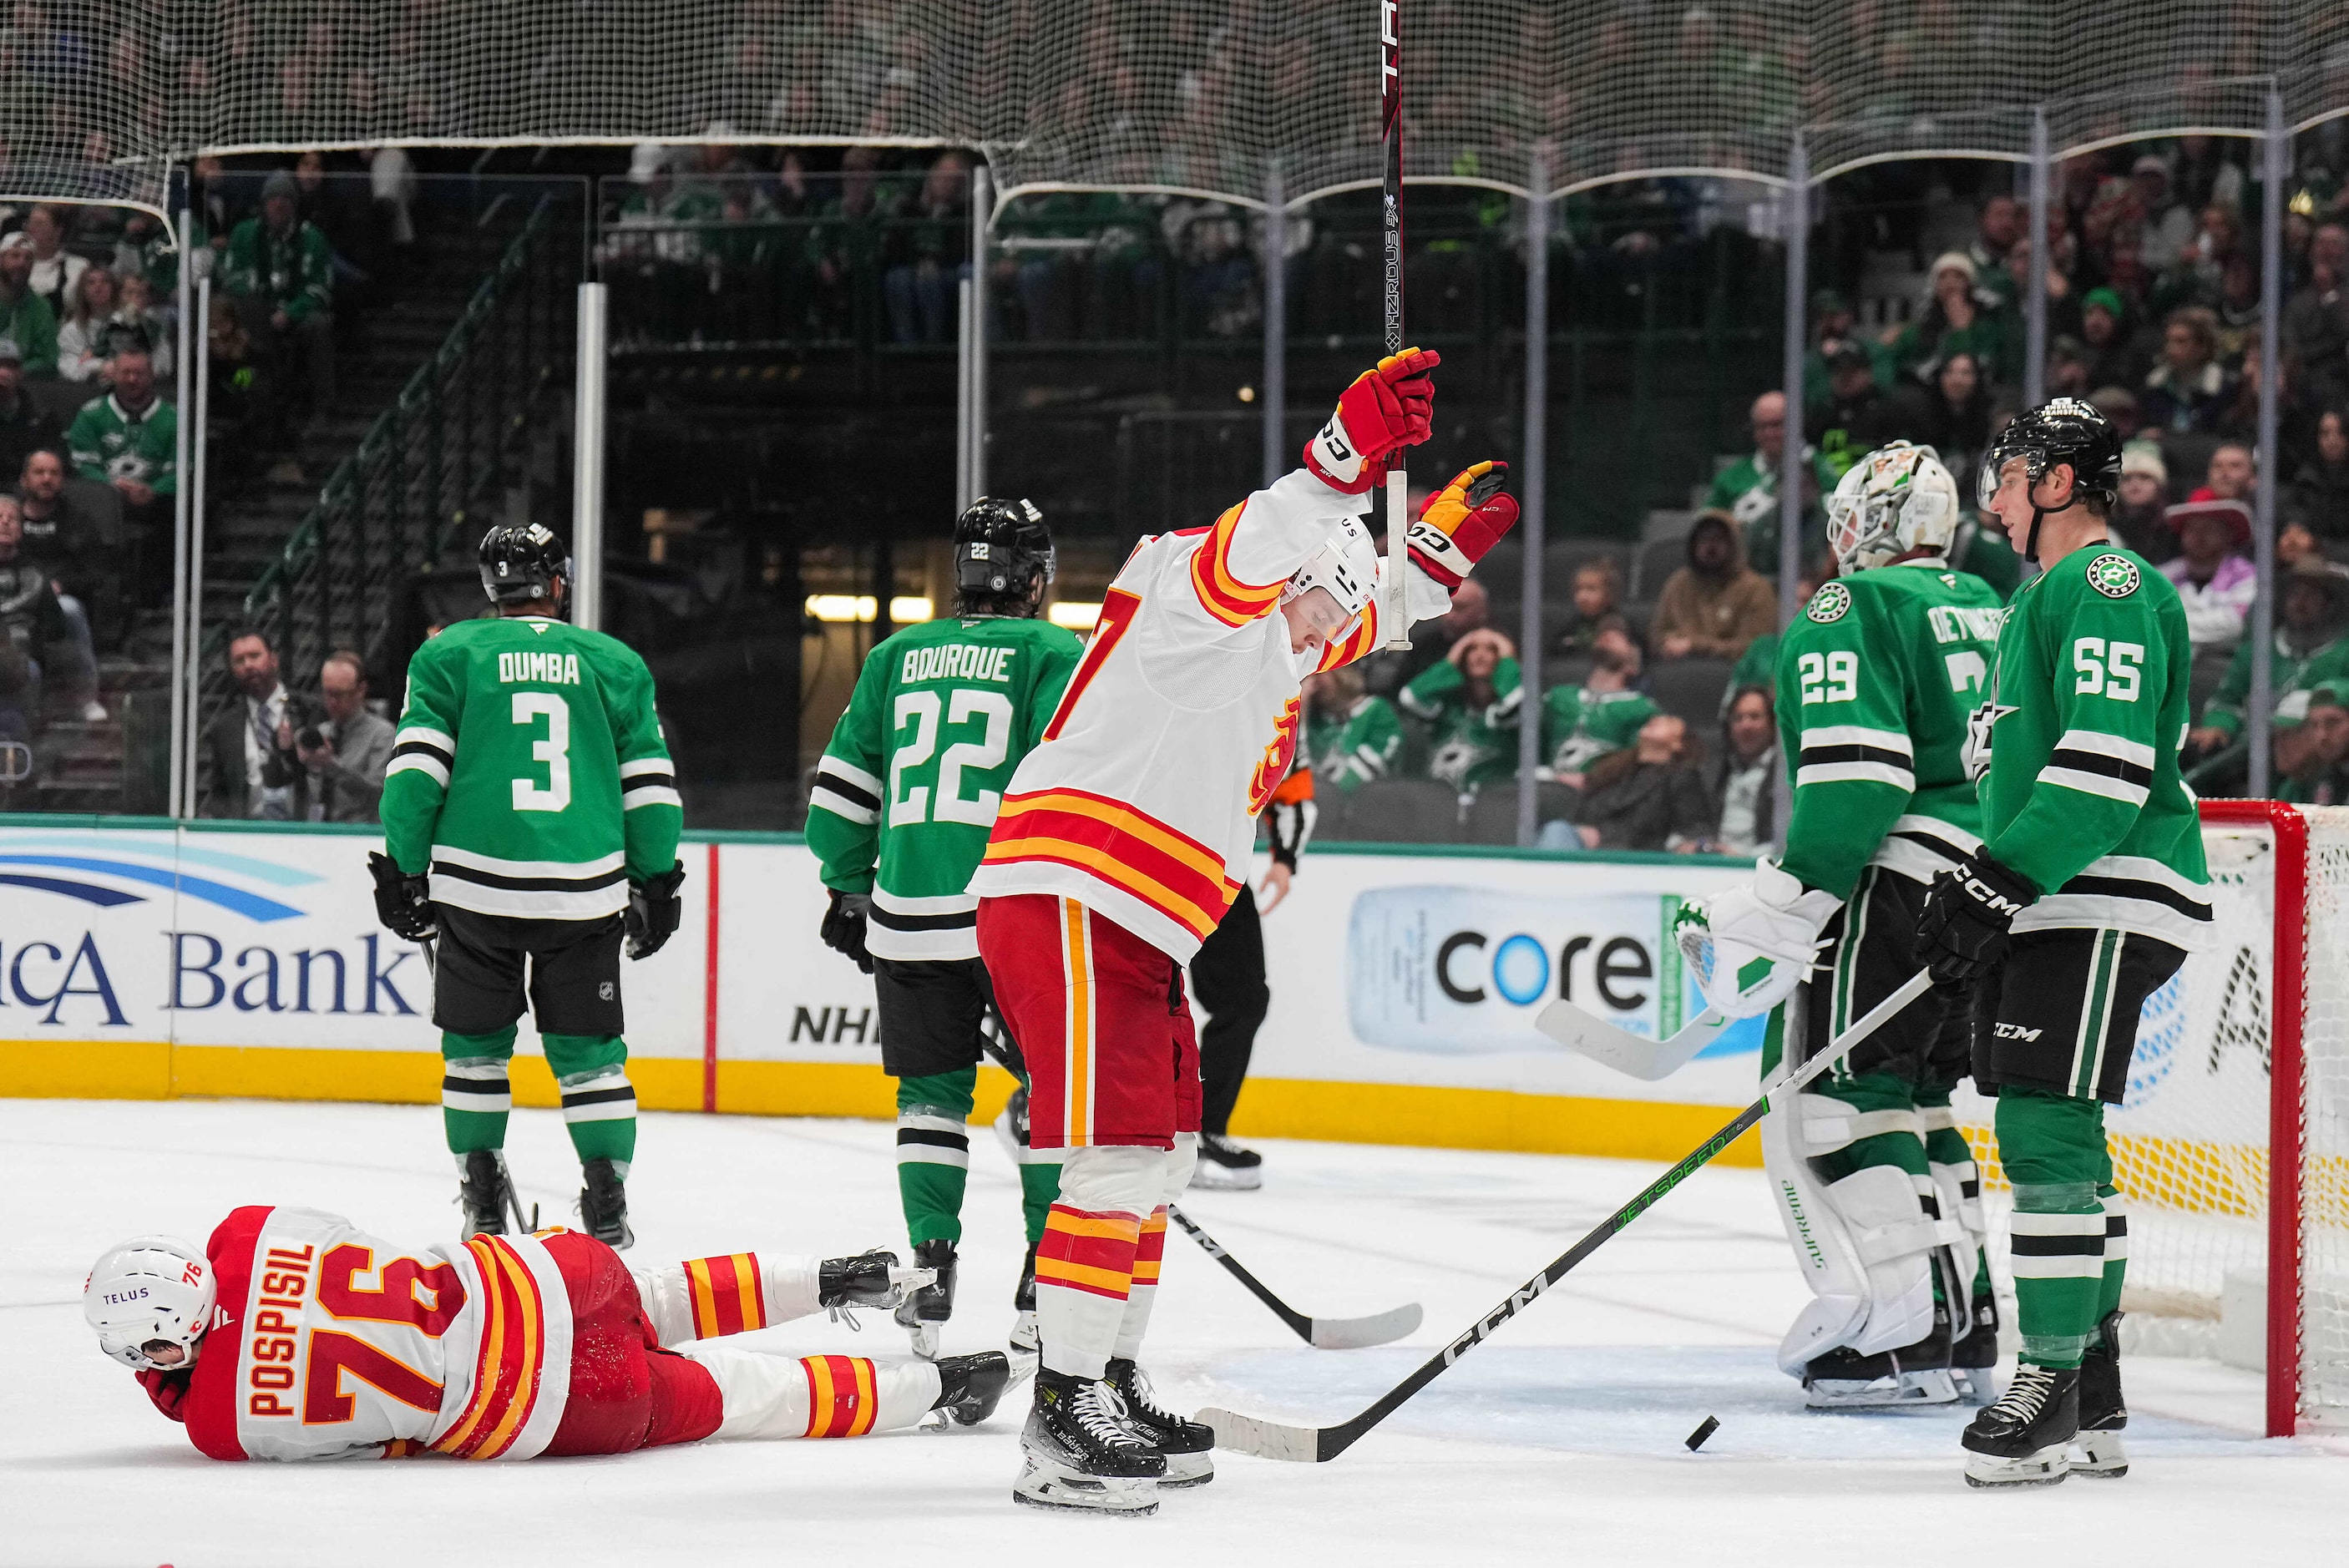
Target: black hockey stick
[
  {"x": 1318, "y": 1445},
  {"x": 1394, "y": 623},
  {"x": 1321, "y": 1332}
]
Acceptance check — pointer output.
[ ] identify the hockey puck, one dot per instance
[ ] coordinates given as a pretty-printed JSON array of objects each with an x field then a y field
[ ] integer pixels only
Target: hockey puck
[{"x": 1696, "y": 1439}]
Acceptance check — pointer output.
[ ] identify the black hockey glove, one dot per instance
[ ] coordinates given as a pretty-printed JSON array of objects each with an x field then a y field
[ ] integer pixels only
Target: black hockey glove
[
  {"x": 654, "y": 911},
  {"x": 844, "y": 927},
  {"x": 403, "y": 902},
  {"x": 1967, "y": 911}
]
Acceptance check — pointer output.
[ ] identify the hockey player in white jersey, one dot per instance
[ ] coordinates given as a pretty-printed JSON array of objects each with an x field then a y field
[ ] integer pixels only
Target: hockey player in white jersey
[{"x": 1122, "y": 839}]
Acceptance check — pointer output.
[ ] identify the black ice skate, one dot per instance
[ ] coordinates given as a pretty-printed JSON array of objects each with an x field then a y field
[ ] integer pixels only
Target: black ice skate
[
  {"x": 485, "y": 1192},
  {"x": 2021, "y": 1440},
  {"x": 1918, "y": 1373},
  {"x": 1187, "y": 1445},
  {"x": 1224, "y": 1164},
  {"x": 1973, "y": 1358},
  {"x": 1026, "y": 1338},
  {"x": 970, "y": 1386},
  {"x": 924, "y": 1312},
  {"x": 1078, "y": 1451},
  {"x": 2098, "y": 1450},
  {"x": 869, "y": 1279},
  {"x": 603, "y": 1206}
]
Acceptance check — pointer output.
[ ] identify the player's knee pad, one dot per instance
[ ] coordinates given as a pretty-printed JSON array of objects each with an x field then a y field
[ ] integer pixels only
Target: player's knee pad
[
  {"x": 1865, "y": 1243},
  {"x": 1181, "y": 1161},
  {"x": 1114, "y": 1179}
]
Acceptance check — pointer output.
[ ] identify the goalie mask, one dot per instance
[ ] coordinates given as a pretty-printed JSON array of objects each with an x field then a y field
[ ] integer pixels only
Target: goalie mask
[
  {"x": 145, "y": 1289},
  {"x": 1897, "y": 498},
  {"x": 1345, "y": 567}
]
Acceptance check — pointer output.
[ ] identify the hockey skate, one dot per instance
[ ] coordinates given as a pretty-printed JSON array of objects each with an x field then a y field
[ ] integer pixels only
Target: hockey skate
[
  {"x": 1078, "y": 1451},
  {"x": 869, "y": 1279},
  {"x": 1918, "y": 1373},
  {"x": 1225, "y": 1165},
  {"x": 2097, "y": 1452},
  {"x": 1974, "y": 1356},
  {"x": 923, "y": 1313},
  {"x": 2024, "y": 1438},
  {"x": 486, "y": 1193},
  {"x": 1188, "y": 1447},
  {"x": 1027, "y": 1339},
  {"x": 603, "y": 1206},
  {"x": 970, "y": 1386}
]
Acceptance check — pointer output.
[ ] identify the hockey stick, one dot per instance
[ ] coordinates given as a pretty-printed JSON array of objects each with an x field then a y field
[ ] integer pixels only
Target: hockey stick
[
  {"x": 1318, "y": 1445},
  {"x": 1616, "y": 1048},
  {"x": 1394, "y": 619},
  {"x": 1321, "y": 1332}
]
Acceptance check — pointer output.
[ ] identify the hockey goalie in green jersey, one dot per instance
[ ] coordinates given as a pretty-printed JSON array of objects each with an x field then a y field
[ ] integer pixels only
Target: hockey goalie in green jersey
[
  {"x": 1877, "y": 679},
  {"x": 530, "y": 819},
  {"x": 899, "y": 816},
  {"x": 2085, "y": 897}
]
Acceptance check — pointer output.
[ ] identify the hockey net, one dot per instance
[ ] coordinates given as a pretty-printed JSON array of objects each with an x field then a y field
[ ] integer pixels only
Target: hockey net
[{"x": 2232, "y": 1143}]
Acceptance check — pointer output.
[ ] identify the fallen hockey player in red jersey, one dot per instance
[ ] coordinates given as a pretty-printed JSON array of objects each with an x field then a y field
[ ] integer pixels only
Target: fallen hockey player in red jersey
[{"x": 294, "y": 1335}]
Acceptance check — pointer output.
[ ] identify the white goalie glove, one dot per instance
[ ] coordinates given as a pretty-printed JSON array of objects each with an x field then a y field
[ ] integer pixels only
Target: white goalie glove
[{"x": 1753, "y": 945}]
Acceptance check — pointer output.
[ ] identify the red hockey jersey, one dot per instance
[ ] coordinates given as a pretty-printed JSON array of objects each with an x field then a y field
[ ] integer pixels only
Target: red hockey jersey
[{"x": 328, "y": 1342}]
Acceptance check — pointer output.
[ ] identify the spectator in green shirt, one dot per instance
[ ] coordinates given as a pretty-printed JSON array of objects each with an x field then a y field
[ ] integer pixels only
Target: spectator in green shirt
[
  {"x": 1470, "y": 701},
  {"x": 1582, "y": 724},
  {"x": 1748, "y": 488},
  {"x": 2310, "y": 647},
  {"x": 26, "y": 318},
  {"x": 1958, "y": 316},
  {"x": 130, "y": 439},
  {"x": 1350, "y": 736},
  {"x": 280, "y": 273}
]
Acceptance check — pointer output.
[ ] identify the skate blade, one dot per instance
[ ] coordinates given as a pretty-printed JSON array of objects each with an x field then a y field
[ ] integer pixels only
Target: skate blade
[
  {"x": 1974, "y": 1385},
  {"x": 2045, "y": 1468},
  {"x": 926, "y": 1337},
  {"x": 1901, "y": 1391},
  {"x": 2099, "y": 1455},
  {"x": 1043, "y": 1485},
  {"x": 1188, "y": 1470},
  {"x": 1217, "y": 1179}
]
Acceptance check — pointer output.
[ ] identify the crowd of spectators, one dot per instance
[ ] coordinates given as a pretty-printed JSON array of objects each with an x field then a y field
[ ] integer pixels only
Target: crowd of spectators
[{"x": 278, "y": 756}]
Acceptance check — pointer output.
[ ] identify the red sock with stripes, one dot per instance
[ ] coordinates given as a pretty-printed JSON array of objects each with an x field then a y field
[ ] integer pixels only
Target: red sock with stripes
[
  {"x": 726, "y": 1293},
  {"x": 1149, "y": 1252}
]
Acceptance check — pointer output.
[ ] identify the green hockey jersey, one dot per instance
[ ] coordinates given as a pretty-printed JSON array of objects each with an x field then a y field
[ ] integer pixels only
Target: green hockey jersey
[
  {"x": 529, "y": 773},
  {"x": 1877, "y": 679},
  {"x": 908, "y": 791},
  {"x": 1473, "y": 745},
  {"x": 1580, "y": 726},
  {"x": 2077, "y": 750},
  {"x": 1348, "y": 752}
]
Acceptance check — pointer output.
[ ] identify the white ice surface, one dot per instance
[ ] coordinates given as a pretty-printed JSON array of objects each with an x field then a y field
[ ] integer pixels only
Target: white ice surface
[{"x": 1559, "y": 1441}]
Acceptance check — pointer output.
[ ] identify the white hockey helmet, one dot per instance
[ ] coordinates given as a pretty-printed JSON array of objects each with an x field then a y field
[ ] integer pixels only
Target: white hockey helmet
[
  {"x": 1897, "y": 498},
  {"x": 147, "y": 1288},
  {"x": 1346, "y": 566}
]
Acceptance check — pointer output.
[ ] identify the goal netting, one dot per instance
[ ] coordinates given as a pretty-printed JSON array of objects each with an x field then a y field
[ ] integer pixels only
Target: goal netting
[
  {"x": 96, "y": 96},
  {"x": 2233, "y": 1144}
]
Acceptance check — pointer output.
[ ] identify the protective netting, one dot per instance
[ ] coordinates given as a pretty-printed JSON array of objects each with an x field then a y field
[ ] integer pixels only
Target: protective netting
[
  {"x": 2191, "y": 1144},
  {"x": 97, "y": 95}
]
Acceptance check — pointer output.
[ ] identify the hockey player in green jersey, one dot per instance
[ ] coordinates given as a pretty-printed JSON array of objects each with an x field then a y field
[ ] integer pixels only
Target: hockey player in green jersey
[
  {"x": 899, "y": 816},
  {"x": 1875, "y": 683},
  {"x": 2086, "y": 893},
  {"x": 531, "y": 813}
]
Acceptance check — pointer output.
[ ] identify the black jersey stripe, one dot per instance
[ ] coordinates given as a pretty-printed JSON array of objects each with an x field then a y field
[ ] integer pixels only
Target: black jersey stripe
[
  {"x": 648, "y": 781},
  {"x": 2022, "y": 1246},
  {"x": 1941, "y": 847},
  {"x": 2096, "y": 762},
  {"x": 934, "y": 1137},
  {"x": 424, "y": 749},
  {"x": 530, "y": 884},
  {"x": 597, "y": 1096},
  {"x": 854, "y": 793},
  {"x": 961, "y": 920},
  {"x": 1813, "y": 756},
  {"x": 2142, "y": 892}
]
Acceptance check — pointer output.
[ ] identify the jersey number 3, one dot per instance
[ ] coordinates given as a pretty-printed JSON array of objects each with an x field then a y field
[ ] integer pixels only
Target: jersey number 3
[{"x": 553, "y": 750}]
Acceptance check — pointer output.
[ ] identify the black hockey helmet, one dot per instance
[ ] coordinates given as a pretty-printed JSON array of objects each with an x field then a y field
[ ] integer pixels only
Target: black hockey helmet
[
  {"x": 2069, "y": 430},
  {"x": 519, "y": 561},
  {"x": 1002, "y": 553}
]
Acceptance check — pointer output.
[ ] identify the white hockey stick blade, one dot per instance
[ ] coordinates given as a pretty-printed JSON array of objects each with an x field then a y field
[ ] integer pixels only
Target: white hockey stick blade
[
  {"x": 1361, "y": 1333},
  {"x": 1616, "y": 1048},
  {"x": 1265, "y": 1440}
]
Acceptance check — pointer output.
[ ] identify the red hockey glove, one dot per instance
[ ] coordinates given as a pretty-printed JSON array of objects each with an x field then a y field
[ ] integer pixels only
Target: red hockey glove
[
  {"x": 168, "y": 1390},
  {"x": 1461, "y": 523},
  {"x": 1386, "y": 408}
]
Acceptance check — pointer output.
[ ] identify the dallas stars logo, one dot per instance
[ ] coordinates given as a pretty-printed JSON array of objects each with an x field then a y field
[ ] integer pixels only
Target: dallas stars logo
[
  {"x": 2114, "y": 577},
  {"x": 1830, "y": 603},
  {"x": 1975, "y": 757}
]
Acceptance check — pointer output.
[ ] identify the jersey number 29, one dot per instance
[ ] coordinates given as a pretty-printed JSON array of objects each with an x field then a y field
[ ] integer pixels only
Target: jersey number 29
[{"x": 920, "y": 709}]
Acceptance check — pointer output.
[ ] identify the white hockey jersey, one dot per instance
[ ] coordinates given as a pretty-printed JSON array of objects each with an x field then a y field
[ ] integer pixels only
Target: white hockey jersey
[
  {"x": 1179, "y": 722},
  {"x": 329, "y": 1342}
]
